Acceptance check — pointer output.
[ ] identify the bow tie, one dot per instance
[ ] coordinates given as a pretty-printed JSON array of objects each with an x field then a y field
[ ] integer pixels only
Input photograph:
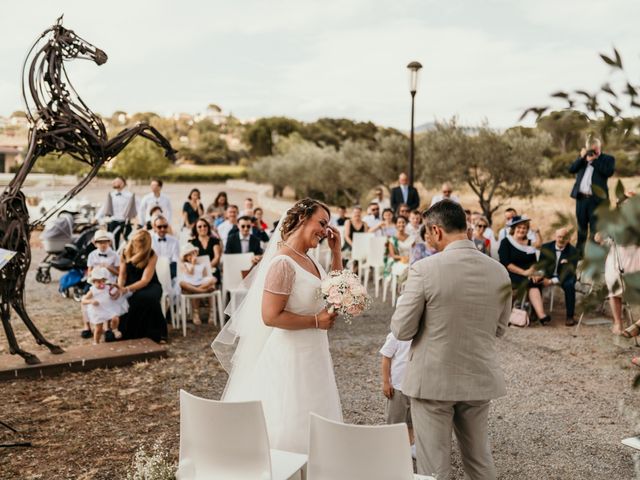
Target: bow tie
[
  {"x": 103, "y": 255},
  {"x": 162, "y": 239},
  {"x": 118, "y": 194},
  {"x": 559, "y": 250}
]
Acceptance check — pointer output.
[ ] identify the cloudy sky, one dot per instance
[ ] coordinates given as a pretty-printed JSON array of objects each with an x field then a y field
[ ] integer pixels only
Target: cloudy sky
[{"x": 346, "y": 58}]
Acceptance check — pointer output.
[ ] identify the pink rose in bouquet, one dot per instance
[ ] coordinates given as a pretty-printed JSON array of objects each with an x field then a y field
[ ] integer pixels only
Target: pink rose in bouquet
[{"x": 343, "y": 293}]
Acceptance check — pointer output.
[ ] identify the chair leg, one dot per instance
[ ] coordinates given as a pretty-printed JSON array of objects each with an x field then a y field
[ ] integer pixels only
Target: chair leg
[
  {"x": 183, "y": 305},
  {"x": 376, "y": 281},
  {"x": 220, "y": 310},
  {"x": 553, "y": 291},
  {"x": 366, "y": 279},
  {"x": 394, "y": 289}
]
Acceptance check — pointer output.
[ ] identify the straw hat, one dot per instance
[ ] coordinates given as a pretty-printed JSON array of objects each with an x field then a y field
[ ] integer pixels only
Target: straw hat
[
  {"x": 101, "y": 236},
  {"x": 186, "y": 249}
]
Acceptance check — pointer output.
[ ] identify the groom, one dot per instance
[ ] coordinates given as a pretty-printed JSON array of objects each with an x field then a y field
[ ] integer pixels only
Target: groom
[{"x": 454, "y": 306}]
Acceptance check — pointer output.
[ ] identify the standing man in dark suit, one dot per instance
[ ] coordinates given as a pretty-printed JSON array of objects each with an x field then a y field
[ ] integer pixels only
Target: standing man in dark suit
[
  {"x": 244, "y": 241},
  {"x": 559, "y": 260},
  {"x": 592, "y": 169},
  {"x": 404, "y": 193}
]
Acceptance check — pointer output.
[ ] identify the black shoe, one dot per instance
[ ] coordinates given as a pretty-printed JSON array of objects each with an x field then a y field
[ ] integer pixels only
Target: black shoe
[
  {"x": 546, "y": 320},
  {"x": 109, "y": 336},
  {"x": 570, "y": 322},
  {"x": 86, "y": 334}
]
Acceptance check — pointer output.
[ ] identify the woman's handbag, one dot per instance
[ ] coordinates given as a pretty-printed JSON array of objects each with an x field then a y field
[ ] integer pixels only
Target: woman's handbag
[{"x": 519, "y": 316}]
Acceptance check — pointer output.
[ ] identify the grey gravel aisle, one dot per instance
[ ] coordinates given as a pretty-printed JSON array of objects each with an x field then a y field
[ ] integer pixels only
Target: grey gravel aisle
[{"x": 569, "y": 399}]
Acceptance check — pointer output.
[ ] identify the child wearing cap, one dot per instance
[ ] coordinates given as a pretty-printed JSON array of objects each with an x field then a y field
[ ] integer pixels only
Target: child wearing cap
[
  {"x": 103, "y": 311},
  {"x": 103, "y": 256},
  {"x": 193, "y": 277}
]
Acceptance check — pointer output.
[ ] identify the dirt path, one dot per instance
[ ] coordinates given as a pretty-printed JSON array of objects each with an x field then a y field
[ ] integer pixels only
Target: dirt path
[{"x": 560, "y": 420}]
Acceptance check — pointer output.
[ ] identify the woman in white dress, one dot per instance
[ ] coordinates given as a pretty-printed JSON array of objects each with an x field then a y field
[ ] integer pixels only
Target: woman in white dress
[{"x": 282, "y": 357}]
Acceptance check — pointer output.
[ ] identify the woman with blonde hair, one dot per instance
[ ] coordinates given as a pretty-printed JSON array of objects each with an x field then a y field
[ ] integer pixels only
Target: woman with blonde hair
[{"x": 138, "y": 282}]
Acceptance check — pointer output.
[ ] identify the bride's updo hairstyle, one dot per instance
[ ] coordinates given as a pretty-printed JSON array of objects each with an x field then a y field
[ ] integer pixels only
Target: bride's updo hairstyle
[{"x": 301, "y": 211}]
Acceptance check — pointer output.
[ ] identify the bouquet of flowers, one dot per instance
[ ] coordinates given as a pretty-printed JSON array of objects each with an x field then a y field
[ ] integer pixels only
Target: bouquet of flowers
[{"x": 343, "y": 293}]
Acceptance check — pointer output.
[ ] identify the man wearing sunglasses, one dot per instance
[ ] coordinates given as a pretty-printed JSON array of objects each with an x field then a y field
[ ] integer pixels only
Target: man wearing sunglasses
[
  {"x": 165, "y": 245},
  {"x": 244, "y": 241}
]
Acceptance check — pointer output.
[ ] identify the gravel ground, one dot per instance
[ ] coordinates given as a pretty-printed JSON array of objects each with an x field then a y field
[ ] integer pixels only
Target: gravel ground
[{"x": 569, "y": 402}]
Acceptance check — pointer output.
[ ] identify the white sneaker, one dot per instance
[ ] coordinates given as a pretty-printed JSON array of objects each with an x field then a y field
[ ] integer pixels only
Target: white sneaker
[{"x": 413, "y": 451}]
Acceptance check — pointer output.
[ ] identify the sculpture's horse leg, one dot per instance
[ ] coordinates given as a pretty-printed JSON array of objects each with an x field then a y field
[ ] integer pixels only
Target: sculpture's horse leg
[
  {"x": 117, "y": 143},
  {"x": 5, "y": 314}
]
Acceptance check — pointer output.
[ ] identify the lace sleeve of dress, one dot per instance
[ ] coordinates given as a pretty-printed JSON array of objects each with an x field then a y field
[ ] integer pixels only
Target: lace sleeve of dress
[{"x": 280, "y": 277}]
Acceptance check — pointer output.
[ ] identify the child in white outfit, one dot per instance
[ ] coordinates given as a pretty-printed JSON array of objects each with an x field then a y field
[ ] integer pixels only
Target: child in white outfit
[
  {"x": 103, "y": 311},
  {"x": 193, "y": 277},
  {"x": 395, "y": 355},
  {"x": 103, "y": 256}
]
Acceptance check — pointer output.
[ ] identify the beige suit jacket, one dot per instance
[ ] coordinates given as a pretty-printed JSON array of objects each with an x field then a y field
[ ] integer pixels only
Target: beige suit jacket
[{"x": 454, "y": 305}]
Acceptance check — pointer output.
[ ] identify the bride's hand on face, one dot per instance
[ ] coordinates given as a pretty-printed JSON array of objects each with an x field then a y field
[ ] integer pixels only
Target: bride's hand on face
[
  {"x": 326, "y": 319},
  {"x": 333, "y": 238}
]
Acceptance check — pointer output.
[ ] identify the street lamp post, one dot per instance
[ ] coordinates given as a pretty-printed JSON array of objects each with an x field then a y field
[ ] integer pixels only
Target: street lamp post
[{"x": 414, "y": 70}]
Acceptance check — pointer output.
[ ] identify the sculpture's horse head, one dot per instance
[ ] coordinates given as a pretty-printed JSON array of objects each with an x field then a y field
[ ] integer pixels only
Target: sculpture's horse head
[
  {"x": 53, "y": 106},
  {"x": 72, "y": 46}
]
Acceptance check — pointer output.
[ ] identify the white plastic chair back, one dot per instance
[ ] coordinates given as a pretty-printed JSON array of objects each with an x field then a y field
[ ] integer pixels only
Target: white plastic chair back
[
  {"x": 377, "y": 249},
  {"x": 163, "y": 272},
  {"x": 232, "y": 266},
  {"x": 222, "y": 440},
  {"x": 337, "y": 451},
  {"x": 360, "y": 245},
  {"x": 341, "y": 230},
  {"x": 184, "y": 236}
]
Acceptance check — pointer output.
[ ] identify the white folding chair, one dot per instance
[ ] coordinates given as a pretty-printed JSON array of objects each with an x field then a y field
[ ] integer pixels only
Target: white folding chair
[
  {"x": 170, "y": 299},
  {"x": 375, "y": 261},
  {"x": 359, "y": 452},
  {"x": 215, "y": 299},
  {"x": 359, "y": 249},
  {"x": 397, "y": 270},
  {"x": 232, "y": 266},
  {"x": 225, "y": 440}
]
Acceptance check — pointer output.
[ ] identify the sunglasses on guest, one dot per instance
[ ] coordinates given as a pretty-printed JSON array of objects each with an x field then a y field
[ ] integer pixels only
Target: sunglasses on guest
[
  {"x": 162, "y": 227},
  {"x": 481, "y": 225}
]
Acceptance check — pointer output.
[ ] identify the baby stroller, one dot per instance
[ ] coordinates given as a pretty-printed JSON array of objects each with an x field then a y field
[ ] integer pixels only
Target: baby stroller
[
  {"x": 73, "y": 260},
  {"x": 54, "y": 238}
]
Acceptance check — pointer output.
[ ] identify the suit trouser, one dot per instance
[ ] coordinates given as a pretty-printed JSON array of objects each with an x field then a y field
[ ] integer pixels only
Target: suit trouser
[
  {"x": 569, "y": 288},
  {"x": 433, "y": 421},
  {"x": 586, "y": 218}
]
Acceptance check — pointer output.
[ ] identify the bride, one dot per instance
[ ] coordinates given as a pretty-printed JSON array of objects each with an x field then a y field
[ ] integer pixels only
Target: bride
[{"x": 282, "y": 357}]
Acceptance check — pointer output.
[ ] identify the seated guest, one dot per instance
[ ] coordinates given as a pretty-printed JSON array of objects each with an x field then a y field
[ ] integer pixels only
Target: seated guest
[
  {"x": 248, "y": 207},
  {"x": 194, "y": 278},
  {"x": 355, "y": 224},
  {"x": 157, "y": 210},
  {"x": 216, "y": 210},
  {"x": 398, "y": 251},
  {"x": 259, "y": 214},
  {"x": 421, "y": 249},
  {"x": 509, "y": 213},
  {"x": 518, "y": 255},
  {"x": 387, "y": 227},
  {"x": 164, "y": 244},
  {"x": 339, "y": 219},
  {"x": 559, "y": 261},
  {"x": 447, "y": 191},
  {"x": 415, "y": 222},
  {"x": 230, "y": 225},
  {"x": 404, "y": 210},
  {"x": 257, "y": 230},
  {"x": 482, "y": 243},
  {"x": 208, "y": 244},
  {"x": 372, "y": 218},
  {"x": 139, "y": 282},
  {"x": 243, "y": 241},
  {"x": 192, "y": 209},
  {"x": 379, "y": 198},
  {"x": 488, "y": 231}
]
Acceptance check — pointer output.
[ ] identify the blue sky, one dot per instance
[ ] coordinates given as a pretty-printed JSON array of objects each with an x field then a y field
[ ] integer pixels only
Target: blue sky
[{"x": 309, "y": 59}]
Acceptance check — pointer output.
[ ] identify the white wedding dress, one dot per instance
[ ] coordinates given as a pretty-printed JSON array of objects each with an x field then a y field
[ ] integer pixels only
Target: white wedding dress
[{"x": 293, "y": 373}]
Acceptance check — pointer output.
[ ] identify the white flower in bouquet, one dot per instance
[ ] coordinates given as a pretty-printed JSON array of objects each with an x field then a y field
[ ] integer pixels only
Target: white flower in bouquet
[{"x": 343, "y": 293}]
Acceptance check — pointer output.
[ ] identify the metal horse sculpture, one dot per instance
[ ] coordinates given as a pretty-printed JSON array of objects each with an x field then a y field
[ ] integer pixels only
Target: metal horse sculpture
[{"x": 60, "y": 122}]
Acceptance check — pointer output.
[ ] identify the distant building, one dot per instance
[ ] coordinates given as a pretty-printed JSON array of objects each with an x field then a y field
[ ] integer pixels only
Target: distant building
[{"x": 11, "y": 151}]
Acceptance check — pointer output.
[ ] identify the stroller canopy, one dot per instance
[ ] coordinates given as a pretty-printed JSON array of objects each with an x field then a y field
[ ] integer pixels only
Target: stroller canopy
[{"x": 61, "y": 230}]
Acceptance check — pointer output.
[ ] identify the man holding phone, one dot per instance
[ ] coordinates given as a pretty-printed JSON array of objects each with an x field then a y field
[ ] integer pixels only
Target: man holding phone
[{"x": 592, "y": 169}]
